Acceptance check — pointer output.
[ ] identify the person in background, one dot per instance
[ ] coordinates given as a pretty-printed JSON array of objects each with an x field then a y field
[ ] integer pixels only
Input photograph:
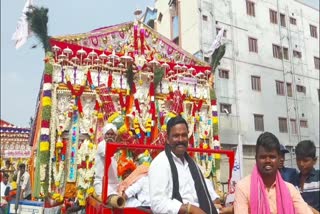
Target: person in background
[
  {"x": 288, "y": 174},
  {"x": 264, "y": 191},
  {"x": 25, "y": 183},
  {"x": 309, "y": 178},
  {"x": 176, "y": 183},
  {"x": 9, "y": 169},
  {"x": 110, "y": 135},
  {"x": 5, "y": 186}
]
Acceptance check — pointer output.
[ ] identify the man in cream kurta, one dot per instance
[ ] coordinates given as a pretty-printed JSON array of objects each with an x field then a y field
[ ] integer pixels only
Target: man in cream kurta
[{"x": 110, "y": 134}]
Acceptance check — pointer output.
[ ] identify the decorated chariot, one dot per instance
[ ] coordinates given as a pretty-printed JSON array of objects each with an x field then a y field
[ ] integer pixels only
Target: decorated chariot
[{"x": 128, "y": 75}]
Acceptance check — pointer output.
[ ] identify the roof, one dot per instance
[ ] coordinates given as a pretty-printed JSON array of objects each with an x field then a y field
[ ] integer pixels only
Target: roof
[{"x": 131, "y": 37}]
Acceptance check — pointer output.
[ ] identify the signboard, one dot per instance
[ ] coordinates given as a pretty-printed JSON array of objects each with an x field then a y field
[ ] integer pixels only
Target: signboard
[{"x": 12, "y": 153}]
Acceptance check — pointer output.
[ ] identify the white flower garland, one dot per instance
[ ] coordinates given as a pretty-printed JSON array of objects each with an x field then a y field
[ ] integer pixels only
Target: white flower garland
[
  {"x": 86, "y": 153},
  {"x": 57, "y": 175},
  {"x": 52, "y": 130}
]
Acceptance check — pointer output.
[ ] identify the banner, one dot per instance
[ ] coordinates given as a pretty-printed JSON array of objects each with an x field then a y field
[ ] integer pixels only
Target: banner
[
  {"x": 11, "y": 153},
  {"x": 215, "y": 44},
  {"x": 237, "y": 173}
]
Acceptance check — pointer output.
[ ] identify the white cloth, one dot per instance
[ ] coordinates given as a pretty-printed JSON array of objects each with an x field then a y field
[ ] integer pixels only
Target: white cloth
[
  {"x": 3, "y": 188},
  {"x": 25, "y": 184},
  {"x": 132, "y": 202},
  {"x": 109, "y": 126},
  {"x": 113, "y": 181},
  {"x": 212, "y": 193},
  {"x": 22, "y": 32},
  {"x": 141, "y": 189},
  {"x": 160, "y": 185}
]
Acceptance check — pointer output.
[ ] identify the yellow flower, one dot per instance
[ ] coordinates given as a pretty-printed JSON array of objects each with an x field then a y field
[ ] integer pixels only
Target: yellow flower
[
  {"x": 100, "y": 115},
  {"x": 205, "y": 146},
  {"x": 44, "y": 146},
  {"x": 123, "y": 129},
  {"x": 215, "y": 120},
  {"x": 46, "y": 101},
  {"x": 113, "y": 116},
  {"x": 90, "y": 145},
  {"x": 82, "y": 202},
  {"x": 171, "y": 114},
  {"x": 164, "y": 128},
  {"x": 90, "y": 190},
  {"x": 59, "y": 145},
  {"x": 57, "y": 183}
]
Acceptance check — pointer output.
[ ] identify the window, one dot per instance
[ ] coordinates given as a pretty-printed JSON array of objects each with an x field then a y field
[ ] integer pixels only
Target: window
[
  {"x": 253, "y": 45},
  {"x": 303, "y": 123},
  {"x": 258, "y": 122},
  {"x": 224, "y": 32},
  {"x": 160, "y": 17},
  {"x": 293, "y": 21},
  {"x": 301, "y": 88},
  {"x": 282, "y": 20},
  {"x": 277, "y": 53},
  {"x": 223, "y": 73},
  {"x": 285, "y": 53},
  {"x": 204, "y": 18},
  {"x": 273, "y": 16},
  {"x": 297, "y": 54},
  {"x": 316, "y": 63},
  {"x": 289, "y": 89},
  {"x": 283, "y": 127},
  {"x": 293, "y": 126},
  {"x": 313, "y": 31},
  {"x": 280, "y": 87},
  {"x": 225, "y": 108},
  {"x": 250, "y": 8},
  {"x": 206, "y": 59},
  {"x": 255, "y": 83}
]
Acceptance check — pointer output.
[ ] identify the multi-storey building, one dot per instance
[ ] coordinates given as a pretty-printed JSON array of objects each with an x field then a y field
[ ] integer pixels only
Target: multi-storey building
[{"x": 268, "y": 79}]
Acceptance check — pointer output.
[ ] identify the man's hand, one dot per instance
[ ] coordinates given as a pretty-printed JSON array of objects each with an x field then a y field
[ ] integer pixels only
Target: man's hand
[
  {"x": 226, "y": 210},
  {"x": 195, "y": 210}
]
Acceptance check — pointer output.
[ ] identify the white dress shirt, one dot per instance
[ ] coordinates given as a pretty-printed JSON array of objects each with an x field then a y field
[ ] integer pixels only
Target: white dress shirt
[
  {"x": 3, "y": 188},
  {"x": 161, "y": 185},
  {"x": 113, "y": 181},
  {"x": 141, "y": 189},
  {"x": 25, "y": 184},
  {"x": 211, "y": 191}
]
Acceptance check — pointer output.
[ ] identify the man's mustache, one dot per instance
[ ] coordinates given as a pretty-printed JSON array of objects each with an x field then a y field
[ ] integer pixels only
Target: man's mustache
[
  {"x": 110, "y": 139},
  {"x": 185, "y": 144}
]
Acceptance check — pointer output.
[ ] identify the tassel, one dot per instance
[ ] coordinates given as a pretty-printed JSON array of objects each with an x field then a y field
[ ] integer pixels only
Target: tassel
[
  {"x": 109, "y": 80},
  {"x": 137, "y": 105},
  {"x": 142, "y": 40},
  {"x": 96, "y": 106},
  {"x": 135, "y": 38},
  {"x": 89, "y": 78},
  {"x": 80, "y": 106}
]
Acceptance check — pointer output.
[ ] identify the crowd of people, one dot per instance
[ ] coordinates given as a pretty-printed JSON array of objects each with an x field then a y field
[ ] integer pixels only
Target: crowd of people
[
  {"x": 174, "y": 182},
  {"x": 11, "y": 179}
]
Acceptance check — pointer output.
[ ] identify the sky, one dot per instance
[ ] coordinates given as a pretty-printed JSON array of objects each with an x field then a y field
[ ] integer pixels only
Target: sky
[{"x": 21, "y": 70}]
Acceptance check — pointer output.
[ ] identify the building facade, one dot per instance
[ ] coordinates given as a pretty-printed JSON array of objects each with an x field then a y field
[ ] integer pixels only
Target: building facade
[{"x": 268, "y": 79}]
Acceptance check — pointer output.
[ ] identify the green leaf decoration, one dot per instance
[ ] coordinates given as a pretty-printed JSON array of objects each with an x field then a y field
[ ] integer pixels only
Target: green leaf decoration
[
  {"x": 212, "y": 94},
  {"x": 158, "y": 75},
  {"x": 217, "y": 56},
  {"x": 215, "y": 129},
  {"x": 37, "y": 18}
]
